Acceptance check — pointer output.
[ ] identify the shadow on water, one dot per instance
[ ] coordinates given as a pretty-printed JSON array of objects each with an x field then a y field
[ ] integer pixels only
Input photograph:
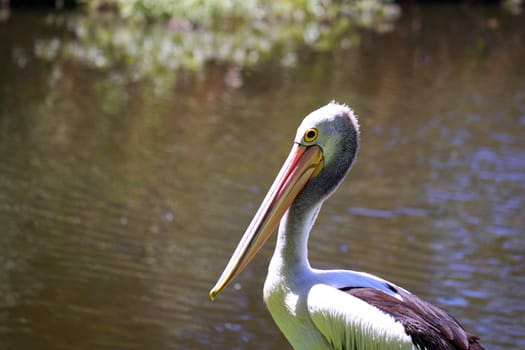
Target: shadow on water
[{"x": 120, "y": 205}]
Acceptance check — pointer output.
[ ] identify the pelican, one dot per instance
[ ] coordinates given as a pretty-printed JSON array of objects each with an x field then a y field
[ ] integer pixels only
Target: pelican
[{"x": 331, "y": 309}]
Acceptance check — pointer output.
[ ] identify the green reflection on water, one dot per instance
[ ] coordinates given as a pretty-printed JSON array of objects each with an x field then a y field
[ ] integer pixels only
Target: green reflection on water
[{"x": 187, "y": 36}]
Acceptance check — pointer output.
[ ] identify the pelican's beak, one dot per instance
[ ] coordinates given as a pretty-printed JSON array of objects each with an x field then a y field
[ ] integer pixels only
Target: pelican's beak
[{"x": 303, "y": 163}]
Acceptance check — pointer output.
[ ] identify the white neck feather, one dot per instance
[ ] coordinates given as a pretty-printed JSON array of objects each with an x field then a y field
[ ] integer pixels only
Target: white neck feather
[{"x": 290, "y": 257}]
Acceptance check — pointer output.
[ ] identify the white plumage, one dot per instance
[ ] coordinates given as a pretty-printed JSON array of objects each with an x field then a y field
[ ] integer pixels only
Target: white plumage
[{"x": 350, "y": 323}]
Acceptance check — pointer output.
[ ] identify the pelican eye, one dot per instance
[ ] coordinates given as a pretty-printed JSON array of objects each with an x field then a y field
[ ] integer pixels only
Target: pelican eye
[{"x": 310, "y": 135}]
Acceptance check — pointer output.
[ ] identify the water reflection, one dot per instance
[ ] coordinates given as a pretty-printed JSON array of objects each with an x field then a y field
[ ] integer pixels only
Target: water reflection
[{"x": 119, "y": 206}]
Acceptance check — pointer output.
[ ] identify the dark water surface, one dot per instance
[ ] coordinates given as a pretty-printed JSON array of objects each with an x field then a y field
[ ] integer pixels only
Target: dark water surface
[{"x": 120, "y": 203}]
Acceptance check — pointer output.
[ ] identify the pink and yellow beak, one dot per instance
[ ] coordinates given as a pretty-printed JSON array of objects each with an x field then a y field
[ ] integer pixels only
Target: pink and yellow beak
[{"x": 303, "y": 163}]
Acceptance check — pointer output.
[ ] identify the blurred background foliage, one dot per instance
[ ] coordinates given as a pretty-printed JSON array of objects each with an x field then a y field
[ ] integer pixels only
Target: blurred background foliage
[
  {"x": 159, "y": 41},
  {"x": 152, "y": 39}
]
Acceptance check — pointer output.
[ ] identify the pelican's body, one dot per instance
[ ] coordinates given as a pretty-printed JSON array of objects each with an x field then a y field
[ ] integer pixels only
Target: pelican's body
[
  {"x": 313, "y": 313},
  {"x": 331, "y": 309}
]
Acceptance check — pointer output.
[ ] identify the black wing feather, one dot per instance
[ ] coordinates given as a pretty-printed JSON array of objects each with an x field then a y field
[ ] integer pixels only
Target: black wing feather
[{"x": 429, "y": 327}]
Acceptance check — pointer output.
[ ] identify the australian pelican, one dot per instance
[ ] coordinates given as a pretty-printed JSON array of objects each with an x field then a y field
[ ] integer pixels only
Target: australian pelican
[{"x": 331, "y": 309}]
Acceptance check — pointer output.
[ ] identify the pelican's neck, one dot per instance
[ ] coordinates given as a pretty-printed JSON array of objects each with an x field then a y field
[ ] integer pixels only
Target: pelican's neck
[{"x": 290, "y": 257}]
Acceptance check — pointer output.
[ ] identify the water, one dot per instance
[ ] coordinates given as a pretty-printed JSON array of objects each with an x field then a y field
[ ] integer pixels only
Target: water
[{"x": 121, "y": 203}]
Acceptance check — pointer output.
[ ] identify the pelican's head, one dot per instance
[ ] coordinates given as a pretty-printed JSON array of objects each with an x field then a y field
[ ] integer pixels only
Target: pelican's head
[
  {"x": 324, "y": 150},
  {"x": 335, "y": 131}
]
